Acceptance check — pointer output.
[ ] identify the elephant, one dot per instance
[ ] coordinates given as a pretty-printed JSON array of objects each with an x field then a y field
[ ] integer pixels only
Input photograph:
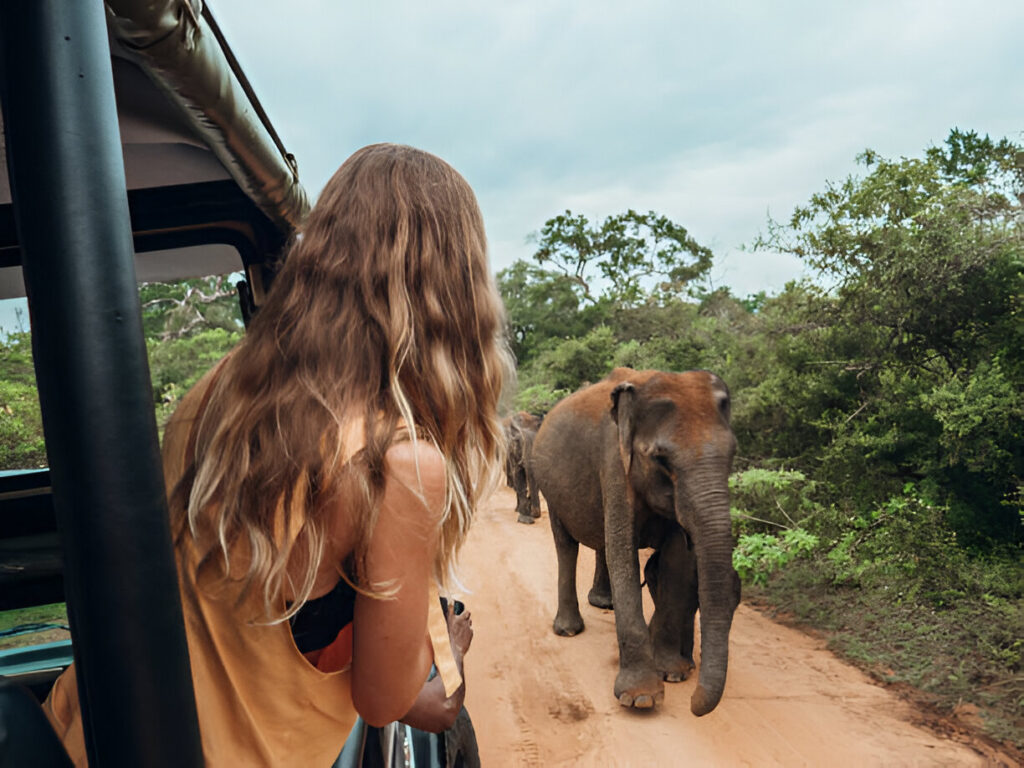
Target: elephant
[
  {"x": 642, "y": 459},
  {"x": 520, "y": 430}
]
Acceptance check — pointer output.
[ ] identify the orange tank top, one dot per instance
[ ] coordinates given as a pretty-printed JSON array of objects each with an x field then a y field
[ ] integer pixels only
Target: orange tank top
[{"x": 260, "y": 701}]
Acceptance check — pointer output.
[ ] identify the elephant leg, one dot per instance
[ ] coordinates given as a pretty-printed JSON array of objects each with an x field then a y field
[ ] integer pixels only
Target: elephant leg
[
  {"x": 601, "y": 592},
  {"x": 638, "y": 683},
  {"x": 690, "y": 604},
  {"x": 533, "y": 492},
  {"x": 568, "y": 621},
  {"x": 510, "y": 466},
  {"x": 522, "y": 496},
  {"x": 672, "y": 578}
]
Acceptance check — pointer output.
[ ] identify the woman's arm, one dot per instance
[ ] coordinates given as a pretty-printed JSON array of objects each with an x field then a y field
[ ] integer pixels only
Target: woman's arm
[
  {"x": 434, "y": 711},
  {"x": 391, "y": 652}
]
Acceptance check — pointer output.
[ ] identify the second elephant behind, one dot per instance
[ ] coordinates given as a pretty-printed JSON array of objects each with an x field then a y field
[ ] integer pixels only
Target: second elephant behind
[
  {"x": 642, "y": 459},
  {"x": 520, "y": 431}
]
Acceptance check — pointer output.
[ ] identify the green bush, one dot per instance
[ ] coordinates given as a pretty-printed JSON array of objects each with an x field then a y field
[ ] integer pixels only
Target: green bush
[
  {"x": 176, "y": 364},
  {"x": 568, "y": 364},
  {"x": 758, "y": 555},
  {"x": 538, "y": 398},
  {"x": 766, "y": 499}
]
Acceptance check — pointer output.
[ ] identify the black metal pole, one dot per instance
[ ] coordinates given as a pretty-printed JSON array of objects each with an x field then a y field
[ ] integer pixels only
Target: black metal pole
[{"x": 71, "y": 209}]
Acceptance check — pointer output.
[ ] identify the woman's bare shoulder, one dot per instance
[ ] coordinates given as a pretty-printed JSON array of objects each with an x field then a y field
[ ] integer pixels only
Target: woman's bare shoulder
[
  {"x": 418, "y": 468},
  {"x": 405, "y": 454},
  {"x": 414, "y": 493}
]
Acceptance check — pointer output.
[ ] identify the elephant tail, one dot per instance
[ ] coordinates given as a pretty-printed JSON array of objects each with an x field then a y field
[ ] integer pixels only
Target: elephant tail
[{"x": 651, "y": 573}]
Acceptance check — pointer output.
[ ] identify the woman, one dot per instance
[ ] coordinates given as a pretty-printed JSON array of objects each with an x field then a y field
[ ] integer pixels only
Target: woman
[{"x": 344, "y": 442}]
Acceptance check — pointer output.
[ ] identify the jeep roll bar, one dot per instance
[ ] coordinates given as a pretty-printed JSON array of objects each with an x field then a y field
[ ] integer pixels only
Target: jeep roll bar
[{"x": 71, "y": 228}]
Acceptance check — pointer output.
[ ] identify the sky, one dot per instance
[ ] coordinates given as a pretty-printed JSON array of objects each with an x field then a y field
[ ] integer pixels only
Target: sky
[{"x": 717, "y": 115}]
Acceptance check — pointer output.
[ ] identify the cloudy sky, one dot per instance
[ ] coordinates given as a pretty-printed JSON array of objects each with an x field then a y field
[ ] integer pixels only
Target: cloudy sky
[{"x": 714, "y": 114}]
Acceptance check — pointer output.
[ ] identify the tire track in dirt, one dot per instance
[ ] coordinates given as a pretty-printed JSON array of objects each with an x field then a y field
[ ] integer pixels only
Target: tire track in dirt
[
  {"x": 537, "y": 699},
  {"x": 526, "y": 751},
  {"x": 544, "y": 694}
]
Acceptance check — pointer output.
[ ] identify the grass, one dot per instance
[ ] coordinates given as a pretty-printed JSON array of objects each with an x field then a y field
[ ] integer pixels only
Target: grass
[
  {"x": 953, "y": 642},
  {"x": 39, "y": 614}
]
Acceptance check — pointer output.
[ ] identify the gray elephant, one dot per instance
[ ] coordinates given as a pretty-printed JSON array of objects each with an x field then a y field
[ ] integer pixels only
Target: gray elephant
[
  {"x": 520, "y": 431},
  {"x": 642, "y": 459}
]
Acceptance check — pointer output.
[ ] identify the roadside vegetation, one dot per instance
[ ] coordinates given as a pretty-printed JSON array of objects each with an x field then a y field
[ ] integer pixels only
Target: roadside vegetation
[{"x": 879, "y": 489}]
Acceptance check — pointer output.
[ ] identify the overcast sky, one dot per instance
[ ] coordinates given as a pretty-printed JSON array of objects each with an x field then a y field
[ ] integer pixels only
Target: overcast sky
[{"x": 714, "y": 114}]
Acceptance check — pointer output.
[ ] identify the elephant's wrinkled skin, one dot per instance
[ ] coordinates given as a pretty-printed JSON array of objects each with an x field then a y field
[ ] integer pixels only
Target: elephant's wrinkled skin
[
  {"x": 642, "y": 459},
  {"x": 520, "y": 431}
]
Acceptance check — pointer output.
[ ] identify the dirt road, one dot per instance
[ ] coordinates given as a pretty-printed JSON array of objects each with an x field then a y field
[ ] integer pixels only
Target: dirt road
[{"x": 541, "y": 700}]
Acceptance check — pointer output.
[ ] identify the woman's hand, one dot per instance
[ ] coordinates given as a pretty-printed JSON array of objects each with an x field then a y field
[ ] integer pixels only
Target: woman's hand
[
  {"x": 434, "y": 711},
  {"x": 460, "y": 629}
]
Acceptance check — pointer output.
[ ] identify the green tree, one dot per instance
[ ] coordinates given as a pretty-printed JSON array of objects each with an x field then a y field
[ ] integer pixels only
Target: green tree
[
  {"x": 922, "y": 325},
  {"x": 627, "y": 259},
  {"x": 540, "y": 305},
  {"x": 189, "y": 325},
  {"x": 176, "y": 310},
  {"x": 21, "y": 426},
  {"x": 574, "y": 362},
  {"x": 584, "y": 273},
  {"x": 176, "y": 364},
  {"x": 927, "y": 251}
]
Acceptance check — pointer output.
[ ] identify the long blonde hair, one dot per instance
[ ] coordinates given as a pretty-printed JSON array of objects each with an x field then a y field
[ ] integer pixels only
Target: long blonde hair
[{"x": 383, "y": 312}]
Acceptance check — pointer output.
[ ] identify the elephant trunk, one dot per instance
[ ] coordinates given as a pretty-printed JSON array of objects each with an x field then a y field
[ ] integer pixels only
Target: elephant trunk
[{"x": 716, "y": 591}]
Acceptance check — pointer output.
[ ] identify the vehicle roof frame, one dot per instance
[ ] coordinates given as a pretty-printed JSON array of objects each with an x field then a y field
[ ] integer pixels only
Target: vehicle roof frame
[
  {"x": 74, "y": 229},
  {"x": 69, "y": 192}
]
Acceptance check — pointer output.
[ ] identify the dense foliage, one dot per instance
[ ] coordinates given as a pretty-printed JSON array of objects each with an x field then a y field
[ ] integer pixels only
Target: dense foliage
[
  {"x": 21, "y": 426},
  {"x": 188, "y": 326},
  {"x": 901, "y": 364},
  {"x": 878, "y": 406}
]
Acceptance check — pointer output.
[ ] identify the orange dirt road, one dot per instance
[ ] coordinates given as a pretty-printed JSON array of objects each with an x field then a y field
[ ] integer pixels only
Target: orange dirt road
[{"x": 537, "y": 699}]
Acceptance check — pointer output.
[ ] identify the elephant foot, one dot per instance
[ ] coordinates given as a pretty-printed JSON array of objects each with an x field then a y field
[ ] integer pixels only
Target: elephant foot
[
  {"x": 639, "y": 691},
  {"x": 567, "y": 627},
  {"x": 600, "y": 599},
  {"x": 674, "y": 669},
  {"x": 525, "y": 519},
  {"x": 643, "y": 701}
]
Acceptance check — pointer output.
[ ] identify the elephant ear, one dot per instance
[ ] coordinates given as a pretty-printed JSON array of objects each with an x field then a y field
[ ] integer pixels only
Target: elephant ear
[{"x": 624, "y": 416}]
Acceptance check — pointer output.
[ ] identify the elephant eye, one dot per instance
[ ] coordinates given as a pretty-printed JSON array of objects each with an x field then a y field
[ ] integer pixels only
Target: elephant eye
[
  {"x": 661, "y": 462},
  {"x": 723, "y": 406}
]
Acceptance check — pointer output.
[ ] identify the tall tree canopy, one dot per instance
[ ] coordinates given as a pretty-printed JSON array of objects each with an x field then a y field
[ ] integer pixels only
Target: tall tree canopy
[
  {"x": 626, "y": 260},
  {"x": 582, "y": 273},
  {"x": 924, "y": 249}
]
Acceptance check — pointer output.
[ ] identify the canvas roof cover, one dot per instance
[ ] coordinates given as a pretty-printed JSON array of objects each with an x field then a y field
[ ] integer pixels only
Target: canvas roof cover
[{"x": 187, "y": 115}]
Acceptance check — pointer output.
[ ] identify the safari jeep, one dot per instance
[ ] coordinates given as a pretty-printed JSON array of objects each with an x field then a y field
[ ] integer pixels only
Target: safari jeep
[{"x": 135, "y": 151}]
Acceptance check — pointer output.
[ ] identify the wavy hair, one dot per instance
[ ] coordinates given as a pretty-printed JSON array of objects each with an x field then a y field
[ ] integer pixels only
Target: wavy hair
[{"x": 384, "y": 318}]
